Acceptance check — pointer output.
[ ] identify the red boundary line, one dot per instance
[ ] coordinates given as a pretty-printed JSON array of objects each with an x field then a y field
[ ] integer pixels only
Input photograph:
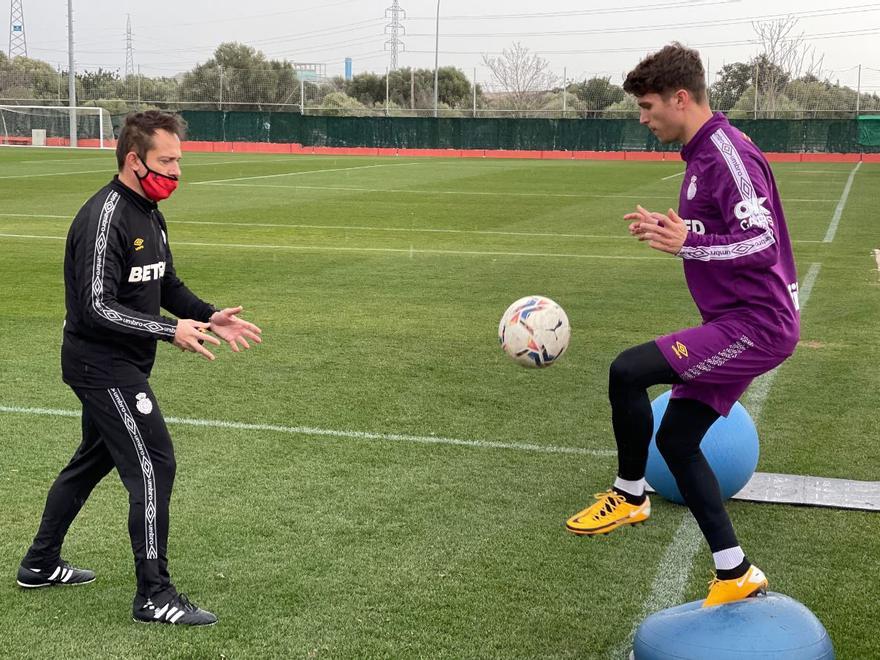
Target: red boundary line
[
  {"x": 652, "y": 156},
  {"x": 294, "y": 148}
]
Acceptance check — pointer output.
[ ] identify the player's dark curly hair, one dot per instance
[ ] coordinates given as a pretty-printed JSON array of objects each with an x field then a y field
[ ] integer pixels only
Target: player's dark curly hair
[
  {"x": 671, "y": 68},
  {"x": 140, "y": 127}
]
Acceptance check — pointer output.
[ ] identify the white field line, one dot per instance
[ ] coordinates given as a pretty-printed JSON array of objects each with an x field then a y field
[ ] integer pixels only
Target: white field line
[
  {"x": 672, "y": 577},
  {"x": 410, "y": 251},
  {"x": 475, "y": 193},
  {"x": 90, "y": 159},
  {"x": 35, "y": 215},
  {"x": 675, "y": 568},
  {"x": 672, "y": 176},
  {"x": 33, "y": 176},
  {"x": 485, "y": 232},
  {"x": 300, "y": 173},
  {"x": 334, "y": 433},
  {"x": 797, "y": 171},
  {"x": 835, "y": 220},
  {"x": 429, "y": 230}
]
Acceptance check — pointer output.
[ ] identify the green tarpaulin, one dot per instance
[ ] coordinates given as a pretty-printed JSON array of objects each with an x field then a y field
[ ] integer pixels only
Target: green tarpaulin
[
  {"x": 593, "y": 134},
  {"x": 869, "y": 131}
]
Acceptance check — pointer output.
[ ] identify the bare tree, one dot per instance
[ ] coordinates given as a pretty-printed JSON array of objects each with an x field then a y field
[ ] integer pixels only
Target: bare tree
[
  {"x": 523, "y": 76},
  {"x": 787, "y": 57}
]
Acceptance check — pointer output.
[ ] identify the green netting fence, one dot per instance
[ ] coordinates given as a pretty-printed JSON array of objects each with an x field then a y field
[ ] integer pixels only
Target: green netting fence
[
  {"x": 777, "y": 135},
  {"x": 869, "y": 132}
]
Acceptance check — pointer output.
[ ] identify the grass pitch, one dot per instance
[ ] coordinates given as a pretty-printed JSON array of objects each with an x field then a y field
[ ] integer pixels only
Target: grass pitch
[{"x": 327, "y": 510}]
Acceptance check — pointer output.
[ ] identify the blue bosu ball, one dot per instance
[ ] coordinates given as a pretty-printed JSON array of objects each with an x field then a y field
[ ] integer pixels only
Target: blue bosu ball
[
  {"x": 771, "y": 627},
  {"x": 730, "y": 446}
]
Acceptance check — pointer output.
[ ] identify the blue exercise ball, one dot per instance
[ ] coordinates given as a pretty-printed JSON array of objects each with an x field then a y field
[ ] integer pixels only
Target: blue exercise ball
[
  {"x": 771, "y": 627},
  {"x": 730, "y": 446}
]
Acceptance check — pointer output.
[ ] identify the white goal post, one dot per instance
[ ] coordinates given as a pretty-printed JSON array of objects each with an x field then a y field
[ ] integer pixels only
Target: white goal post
[{"x": 49, "y": 126}]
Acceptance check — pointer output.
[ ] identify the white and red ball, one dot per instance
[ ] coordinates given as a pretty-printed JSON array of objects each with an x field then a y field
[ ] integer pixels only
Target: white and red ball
[{"x": 534, "y": 331}]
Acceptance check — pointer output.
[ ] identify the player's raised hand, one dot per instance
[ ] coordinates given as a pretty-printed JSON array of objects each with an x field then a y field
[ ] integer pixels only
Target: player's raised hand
[
  {"x": 641, "y": 220},
  {"x": 665, "y": 233},
  {"x": 233, "y": 330},
  {"x": 191, "y": 335}
]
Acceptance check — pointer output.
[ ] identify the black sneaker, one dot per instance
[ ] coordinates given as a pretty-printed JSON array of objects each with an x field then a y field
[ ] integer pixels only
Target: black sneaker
[
  {"x": 63, "y": 574},
  {"x": 176, "y": 610}
]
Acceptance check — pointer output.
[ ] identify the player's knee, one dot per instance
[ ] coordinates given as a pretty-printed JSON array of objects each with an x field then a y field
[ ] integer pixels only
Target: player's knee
[
  {"x": 675, "y": 448},
  {"x": 165, "y": 470},
  {"x": 623, "y": 373}
]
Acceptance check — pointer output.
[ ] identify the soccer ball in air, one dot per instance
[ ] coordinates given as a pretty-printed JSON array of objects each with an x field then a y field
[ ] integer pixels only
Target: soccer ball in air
[{"x": 534, "y": 331}]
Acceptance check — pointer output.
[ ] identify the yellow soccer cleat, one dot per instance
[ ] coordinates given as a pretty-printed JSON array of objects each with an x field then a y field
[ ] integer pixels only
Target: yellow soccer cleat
[
  {"x": 754, "y": 582},
  {"x": 608, "y": 513}
]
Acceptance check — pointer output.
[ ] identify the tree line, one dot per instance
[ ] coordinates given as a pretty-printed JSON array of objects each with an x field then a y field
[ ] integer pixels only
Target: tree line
[{"x": 239, "y": 77}]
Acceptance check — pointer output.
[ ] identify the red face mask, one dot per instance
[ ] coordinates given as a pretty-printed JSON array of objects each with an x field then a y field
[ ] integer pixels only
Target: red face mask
[{"x": 157, "y": 186}]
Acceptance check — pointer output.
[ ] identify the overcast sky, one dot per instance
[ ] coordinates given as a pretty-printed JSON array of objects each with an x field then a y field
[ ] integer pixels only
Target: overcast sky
[{"x": 581, "y": 38}]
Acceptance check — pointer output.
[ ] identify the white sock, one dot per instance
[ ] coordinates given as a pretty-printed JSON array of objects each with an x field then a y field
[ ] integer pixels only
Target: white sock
[
  {"x": 634, "y": 488},
  {"x": 728, "y": 558}
]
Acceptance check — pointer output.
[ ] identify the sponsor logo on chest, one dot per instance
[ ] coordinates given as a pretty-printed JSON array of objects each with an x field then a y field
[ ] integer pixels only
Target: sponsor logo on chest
[{"x": 147, "y": 273}]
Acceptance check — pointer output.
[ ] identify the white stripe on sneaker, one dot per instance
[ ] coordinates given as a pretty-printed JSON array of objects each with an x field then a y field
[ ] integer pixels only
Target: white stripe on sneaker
[
  {"x": 159, "y": 613},
  {"x": 55, "y": 573},
  {"x": 66, "y": 574},
  {"x": 176, "y": 616}
]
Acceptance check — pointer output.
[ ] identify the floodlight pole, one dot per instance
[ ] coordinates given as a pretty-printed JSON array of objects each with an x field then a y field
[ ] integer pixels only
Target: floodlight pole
[
  {"x": 858, "y": 91},
  {"x": 436, "y": 53},
  {"x": 475, "y": 92},
  {"x": 71, "y": 74},
  {"x": 564, "y": 87}
]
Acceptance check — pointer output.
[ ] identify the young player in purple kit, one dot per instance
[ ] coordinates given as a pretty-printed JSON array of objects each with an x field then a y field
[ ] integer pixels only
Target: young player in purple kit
[{"x": 731, "y": 235}]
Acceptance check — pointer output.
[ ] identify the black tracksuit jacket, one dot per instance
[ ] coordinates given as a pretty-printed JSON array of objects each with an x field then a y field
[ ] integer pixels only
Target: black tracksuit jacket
[{"x": 118, "y": 273}]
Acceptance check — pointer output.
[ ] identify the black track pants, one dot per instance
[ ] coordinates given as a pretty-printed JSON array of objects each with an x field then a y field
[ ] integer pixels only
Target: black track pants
[{"x": 122, "y": 428}]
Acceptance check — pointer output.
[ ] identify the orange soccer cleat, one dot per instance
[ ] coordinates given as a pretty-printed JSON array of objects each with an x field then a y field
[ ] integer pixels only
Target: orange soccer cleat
[
  {"x": 754, "y": 582},
  {"x": 608, "y": 513}
]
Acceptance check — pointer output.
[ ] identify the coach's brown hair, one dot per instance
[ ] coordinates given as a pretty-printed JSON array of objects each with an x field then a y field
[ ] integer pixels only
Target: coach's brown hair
[
  {"x": 671, "y": 68},
  {"x": 140, "y": 127}
]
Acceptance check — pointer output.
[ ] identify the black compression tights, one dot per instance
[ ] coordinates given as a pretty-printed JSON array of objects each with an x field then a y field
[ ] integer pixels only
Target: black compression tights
[{"x": 678, "y": 439}]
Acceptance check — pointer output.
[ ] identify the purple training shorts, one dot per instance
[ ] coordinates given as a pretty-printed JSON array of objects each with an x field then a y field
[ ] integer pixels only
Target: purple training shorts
[{"x": 717, "y": 361}]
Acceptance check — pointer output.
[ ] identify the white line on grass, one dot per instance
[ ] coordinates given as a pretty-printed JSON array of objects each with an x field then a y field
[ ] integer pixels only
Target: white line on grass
[
  {"x": 477, "y": 193},
  {"x": 33, "y": 176},
  {"x": 672, "y": 176},
  {"x": 672, "y": 577},
  {"x": 90, "y": 159},
  {"x": 835, "y": 220},
  {"x": 35, "y": 215},
  {"x": 278, "y": 225},
  {"x": 410, "y": 251},
  {"x": 334, "y": 433},
  {"x": 50, "y": 238},
  {"x": 392, "y": 229},
  {"x": 299, "y": 173},
  {"x": 674, "y": 571}
]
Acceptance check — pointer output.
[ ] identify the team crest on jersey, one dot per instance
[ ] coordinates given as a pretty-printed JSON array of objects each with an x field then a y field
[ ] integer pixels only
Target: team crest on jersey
[
  {"x": 144, "y": 405},
  {"x": 138, "y": 244},
  {"x": 692, "y": 188}
]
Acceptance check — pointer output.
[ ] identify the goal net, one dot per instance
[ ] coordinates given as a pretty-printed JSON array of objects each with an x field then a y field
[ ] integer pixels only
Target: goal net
[{"x": 49, "y": 126}]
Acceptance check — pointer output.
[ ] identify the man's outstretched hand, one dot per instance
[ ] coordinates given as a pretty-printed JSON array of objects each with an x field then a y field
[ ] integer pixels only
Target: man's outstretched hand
[
  {"x": 191, "y": 335},
  {"x": 234, "y": 331}
]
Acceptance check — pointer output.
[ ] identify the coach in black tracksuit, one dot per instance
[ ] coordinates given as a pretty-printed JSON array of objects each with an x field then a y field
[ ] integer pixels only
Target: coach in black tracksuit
[{"x": 118, "y": 273}]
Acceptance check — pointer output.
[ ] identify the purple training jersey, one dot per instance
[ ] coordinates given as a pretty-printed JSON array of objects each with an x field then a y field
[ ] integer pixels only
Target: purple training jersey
[{"x": 738, "y": 261}]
